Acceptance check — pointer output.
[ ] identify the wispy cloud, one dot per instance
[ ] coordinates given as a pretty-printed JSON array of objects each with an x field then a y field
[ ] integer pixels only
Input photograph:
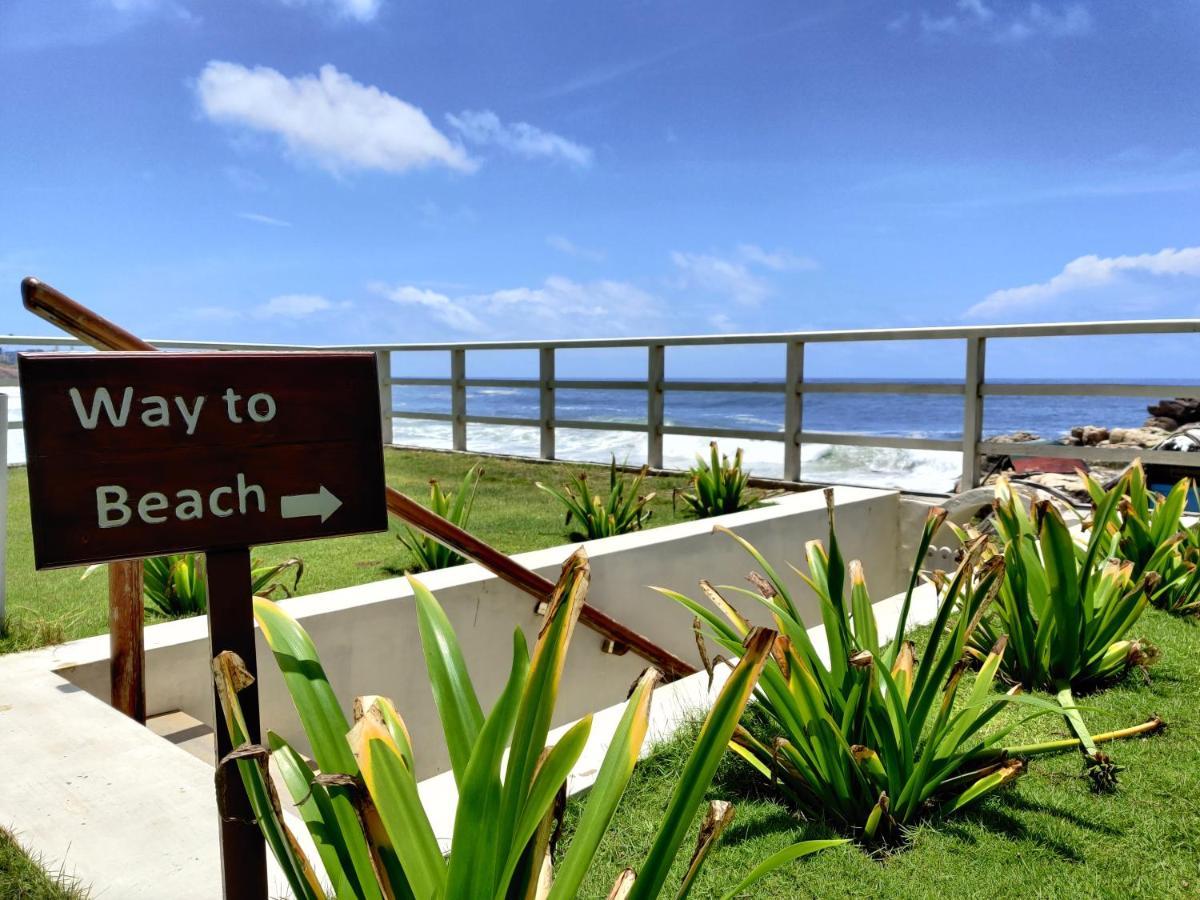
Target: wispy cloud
[
  {"x": 285, "y": 307},
  {"x": 737, "y": 276},
  {"x": 1089, "y": 273},
  {"x": 484, "y": 128},
  {"x": 264, "y": 220},
  {"x": 1012, "y": 23},
  {"x": 358, "y": 10},
  {"x": 776, "y": 260},
  {"x": 328, "y": 118},
  {"x": 296, "y": 306},
  {"x": 557, "y": 306},
  {"x": 570, "y": 248},
  {"x": 451, "y": 313}
]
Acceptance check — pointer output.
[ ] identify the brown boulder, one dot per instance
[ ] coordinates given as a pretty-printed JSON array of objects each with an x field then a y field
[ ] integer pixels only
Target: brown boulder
[
  {"x": 1163, "y": 422},
  {"x": 1182, "y": 409}
]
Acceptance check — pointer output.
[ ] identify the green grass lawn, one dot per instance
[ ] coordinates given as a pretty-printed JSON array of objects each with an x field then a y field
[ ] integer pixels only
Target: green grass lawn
[
  {"x": 1047, "y": 836},
  {"x": 22, "y": 878},
  {"x": 54, "y": 606}
]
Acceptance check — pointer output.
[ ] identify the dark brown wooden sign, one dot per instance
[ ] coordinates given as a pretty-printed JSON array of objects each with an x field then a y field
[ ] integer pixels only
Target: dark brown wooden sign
[{"x": 141, "y": 454}]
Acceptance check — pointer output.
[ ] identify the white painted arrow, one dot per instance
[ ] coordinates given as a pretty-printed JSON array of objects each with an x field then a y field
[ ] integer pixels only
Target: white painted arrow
[{"x": 322, "y": 503}]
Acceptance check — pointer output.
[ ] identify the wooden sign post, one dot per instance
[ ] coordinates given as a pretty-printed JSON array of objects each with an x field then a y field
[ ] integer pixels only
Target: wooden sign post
[{"x": 142, "y": 454}]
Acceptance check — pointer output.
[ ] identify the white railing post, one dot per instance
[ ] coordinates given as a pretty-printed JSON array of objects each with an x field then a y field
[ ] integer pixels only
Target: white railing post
[
  {"x": 546, "y": 400},
  {"x": 383, "y": 371},
  {"x": 793, "y": 411},
  {"x": 656, "y": 370},
  {"x": 458, "y": 398},
  {"x": 972, "y": 412}
]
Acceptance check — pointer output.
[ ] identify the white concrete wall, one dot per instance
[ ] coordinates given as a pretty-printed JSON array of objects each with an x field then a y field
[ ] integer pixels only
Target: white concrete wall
[{"x": 367, "y": 635}]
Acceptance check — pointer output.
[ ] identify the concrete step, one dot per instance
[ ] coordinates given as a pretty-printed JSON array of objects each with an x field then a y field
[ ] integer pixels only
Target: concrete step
[{"x": 184, "y": 731}]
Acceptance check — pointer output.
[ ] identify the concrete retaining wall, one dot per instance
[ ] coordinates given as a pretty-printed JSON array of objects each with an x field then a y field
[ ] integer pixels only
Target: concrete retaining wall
[{"x": 368, "y": 640}]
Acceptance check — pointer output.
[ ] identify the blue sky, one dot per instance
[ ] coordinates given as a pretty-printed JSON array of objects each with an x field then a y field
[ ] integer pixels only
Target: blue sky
[{"x": 391, "y": 170}]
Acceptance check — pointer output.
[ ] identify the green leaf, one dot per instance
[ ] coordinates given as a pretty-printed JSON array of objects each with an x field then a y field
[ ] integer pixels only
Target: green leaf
[{"x": 453, "y": 692}]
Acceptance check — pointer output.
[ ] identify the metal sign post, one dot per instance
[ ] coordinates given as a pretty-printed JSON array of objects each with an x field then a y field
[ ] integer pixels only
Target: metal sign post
[{"x": 142, "y": 454}]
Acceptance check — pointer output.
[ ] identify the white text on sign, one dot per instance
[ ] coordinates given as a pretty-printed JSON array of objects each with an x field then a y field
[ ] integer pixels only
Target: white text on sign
[{"x": 157, "y": 411}]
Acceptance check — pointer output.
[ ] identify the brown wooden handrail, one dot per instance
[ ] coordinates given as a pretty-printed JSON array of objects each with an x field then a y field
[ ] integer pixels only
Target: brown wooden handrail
[
  {"x": 93, "y": 329},
  {"x": 508, "y": 569}
]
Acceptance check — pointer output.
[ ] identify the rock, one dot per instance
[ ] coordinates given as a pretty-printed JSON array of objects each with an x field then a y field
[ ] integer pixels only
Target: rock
[
  {"x": 1136, "y": 437},
  {"x": 1162, "y": 422},
  {"x": 1087, "y": 435},
  {"x": 1182, "y": 409},
  {"x": 1017, "y": 437}
]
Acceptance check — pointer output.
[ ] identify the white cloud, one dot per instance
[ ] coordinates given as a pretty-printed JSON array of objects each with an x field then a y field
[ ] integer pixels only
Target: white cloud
[
  {"x": 556, "y": 306},
  {"x": 484, "y": 128},
  {"x": 776, "y": 260},
  {"x": 570, "y": 248},
  {"x": 735, "y": 277},
  {"x": 979, "y": 17},
  {"x": 359, "y": 10},
  {"x": 328, "y": 118},
  {"x": 295, "y": 306},
  {"x": 264, "y": 220},
  {"x": 443, "y": 309},
  {"x": 1089, "y": 273},
  {"x": 720, "y": 276}
]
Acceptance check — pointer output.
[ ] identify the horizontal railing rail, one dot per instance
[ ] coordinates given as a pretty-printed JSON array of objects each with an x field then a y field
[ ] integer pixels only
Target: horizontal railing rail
[{"x": 792, "y": 388}]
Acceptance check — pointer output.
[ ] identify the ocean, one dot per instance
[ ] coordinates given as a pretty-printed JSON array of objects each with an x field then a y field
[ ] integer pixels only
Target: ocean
[{"x": 930, "y": 415}]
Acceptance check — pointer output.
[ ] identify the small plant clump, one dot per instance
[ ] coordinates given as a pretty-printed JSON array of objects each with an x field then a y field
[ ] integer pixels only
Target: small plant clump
[
  {"x": 1064, "y": 607},
  {"x": 176, "y": 586},
  {"x": 621, "y": 511},
  {"x": 1150, "y": 534},
  {"x": 361, "y": 802},
  {"x": 455, "y": 506},
  {"x": 719, "y": 486},
  {"x": 872, "y": 740}
]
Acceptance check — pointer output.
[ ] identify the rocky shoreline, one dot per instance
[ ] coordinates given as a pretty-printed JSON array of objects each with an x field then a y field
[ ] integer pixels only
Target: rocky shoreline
[{"x": 1167, "y": 418}]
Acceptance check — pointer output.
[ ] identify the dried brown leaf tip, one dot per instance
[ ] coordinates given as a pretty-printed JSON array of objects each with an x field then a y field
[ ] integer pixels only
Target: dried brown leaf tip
[
  {"x": 764, "y": 587},
  {"x": 862, "y": 659}
]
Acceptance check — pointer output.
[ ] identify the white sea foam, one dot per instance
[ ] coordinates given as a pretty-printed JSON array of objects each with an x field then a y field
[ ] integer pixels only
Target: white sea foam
[{"x": 917, "y": 470}]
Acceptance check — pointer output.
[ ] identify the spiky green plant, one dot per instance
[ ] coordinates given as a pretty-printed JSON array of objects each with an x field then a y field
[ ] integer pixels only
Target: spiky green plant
[
  {"x": 873, "y": 739},
  {"x": 1179, "y": 593},
  {"x": 176, "y": 586},
  {"x": 363, "y": 810},
  {"x": 454, "y": 506},
  {"x": 719, "y": 486},
  {"x": 1151, "y": 535},
  {"x": 622, "y": 511},
  {"x": 1065, "y": 607}
]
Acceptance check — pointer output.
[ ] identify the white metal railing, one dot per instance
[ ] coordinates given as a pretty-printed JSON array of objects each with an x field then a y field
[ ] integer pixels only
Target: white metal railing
[{"x": 792, "y": 389}]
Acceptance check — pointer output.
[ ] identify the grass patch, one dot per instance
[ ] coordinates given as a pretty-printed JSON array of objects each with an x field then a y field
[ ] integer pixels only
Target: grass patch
[
  {"x": 510, "y": 513},
  {"x": 23, "y": 878},
  {"x": 1047, "y": 836}
]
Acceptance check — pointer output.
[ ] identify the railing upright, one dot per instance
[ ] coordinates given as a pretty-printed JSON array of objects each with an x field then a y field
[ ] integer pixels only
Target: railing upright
[
  {"x": 546, "y": 400},
  {"x": 656, "y": 369},
  {"x": 972, "y": 411},
  {"x": 458, "y": 398},
  {"x": 383, "y": 369},
  {"x": 793, "y": 410}
]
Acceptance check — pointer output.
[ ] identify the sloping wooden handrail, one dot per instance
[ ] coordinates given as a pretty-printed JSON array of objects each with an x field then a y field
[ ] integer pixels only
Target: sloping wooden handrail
[{"x": 77, "y": 320}]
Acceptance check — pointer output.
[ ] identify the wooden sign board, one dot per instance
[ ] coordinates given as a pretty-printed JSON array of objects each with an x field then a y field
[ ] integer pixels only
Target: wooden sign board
[{"x": 142, "y": 454}]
